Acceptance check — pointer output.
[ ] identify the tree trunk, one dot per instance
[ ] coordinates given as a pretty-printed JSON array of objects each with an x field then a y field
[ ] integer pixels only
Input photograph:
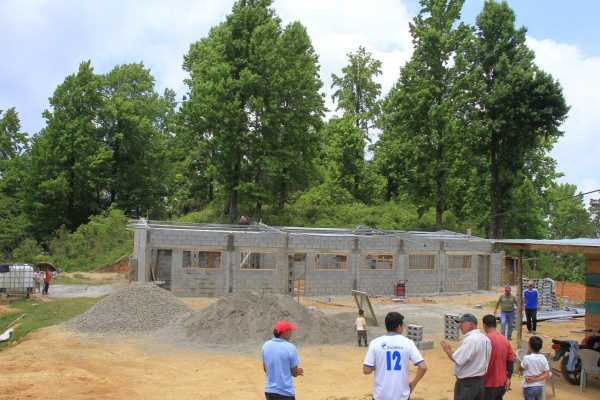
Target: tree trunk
[
  {"x": 233, "y": 200},
  {"x": 497, "y": 217},
  {"x": 258, "y": 212},
  {"x": 282, "y": 193}
]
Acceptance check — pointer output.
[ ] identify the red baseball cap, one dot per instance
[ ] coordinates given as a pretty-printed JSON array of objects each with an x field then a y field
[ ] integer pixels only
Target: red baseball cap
[{"x": 283, "y": 326}]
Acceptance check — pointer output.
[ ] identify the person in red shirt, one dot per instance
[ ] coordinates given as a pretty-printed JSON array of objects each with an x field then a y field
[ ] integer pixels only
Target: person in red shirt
[
  {"x": 497, "y": 378},
  {"x": 47, "y": 278}
]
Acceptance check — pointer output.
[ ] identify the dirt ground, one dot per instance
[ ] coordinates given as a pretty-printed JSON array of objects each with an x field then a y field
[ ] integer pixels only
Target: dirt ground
[{"x": 55, "y": 363}]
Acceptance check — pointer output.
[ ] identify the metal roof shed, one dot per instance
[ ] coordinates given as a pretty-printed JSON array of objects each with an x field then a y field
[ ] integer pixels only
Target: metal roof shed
[{"x": 590, "y": 248}]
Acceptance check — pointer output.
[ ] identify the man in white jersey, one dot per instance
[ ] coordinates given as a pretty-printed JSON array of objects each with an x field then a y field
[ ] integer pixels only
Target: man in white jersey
[
  {"x": 388, "y": 356},
  {"x": 471, "y": 360}
]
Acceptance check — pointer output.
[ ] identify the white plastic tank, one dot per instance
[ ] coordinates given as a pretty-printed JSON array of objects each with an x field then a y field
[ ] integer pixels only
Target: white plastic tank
[{"x": 18, "y": 279}]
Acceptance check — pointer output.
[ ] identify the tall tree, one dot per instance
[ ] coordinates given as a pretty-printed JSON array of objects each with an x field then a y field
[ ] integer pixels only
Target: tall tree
[
  {"x": 13, "y": 221},
  {"x": 253, "y": 104},
  {"x": 67, "y": 175},
  {"x": 358, "y": 94},
  {"x": 345, "y": 144},
  {"x": 13, "y": 142},
  {"x": 594, "y": 210},
  {"x": 131, "y": 121},
  {"x": 292, "y": 113},
  {"x": 421, "y": 150},
  {"x": 521, "y": 106}
]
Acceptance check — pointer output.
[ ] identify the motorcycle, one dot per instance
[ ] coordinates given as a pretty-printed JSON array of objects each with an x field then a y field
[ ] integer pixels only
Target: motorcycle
[{"x": 562, "y": 349}]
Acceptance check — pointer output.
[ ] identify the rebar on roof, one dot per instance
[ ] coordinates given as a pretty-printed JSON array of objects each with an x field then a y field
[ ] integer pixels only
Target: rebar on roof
[{"x": 260, "y": 227}]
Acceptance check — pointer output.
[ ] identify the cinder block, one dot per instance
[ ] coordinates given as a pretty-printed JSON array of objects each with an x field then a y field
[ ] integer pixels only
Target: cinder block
[{"x": 425, "y": 345}]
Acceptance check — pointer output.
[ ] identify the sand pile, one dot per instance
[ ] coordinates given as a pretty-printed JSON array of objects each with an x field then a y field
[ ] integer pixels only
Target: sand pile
[
  {"x": 248, "y": 318},
  {"x": 133, "y": 308}
]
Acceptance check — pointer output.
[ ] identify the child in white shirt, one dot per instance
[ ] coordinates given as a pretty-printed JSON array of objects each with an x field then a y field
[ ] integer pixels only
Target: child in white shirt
[
  {"x": 360, "y": 326},
  {"x": 535, "y": 370}
]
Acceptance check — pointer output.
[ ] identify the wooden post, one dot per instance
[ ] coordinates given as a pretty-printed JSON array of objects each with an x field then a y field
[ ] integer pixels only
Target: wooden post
[{"x": 519, "y": 315}]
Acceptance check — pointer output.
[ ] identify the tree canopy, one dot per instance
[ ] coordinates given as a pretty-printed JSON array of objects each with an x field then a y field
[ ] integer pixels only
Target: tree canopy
[{"x": 461, "y": 141}]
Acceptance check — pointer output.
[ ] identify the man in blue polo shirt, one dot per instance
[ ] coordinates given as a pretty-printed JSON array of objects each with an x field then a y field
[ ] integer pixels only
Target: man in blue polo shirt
[
  {"x": 281, "y": 363},
  {"x": 531, "y": 301}
]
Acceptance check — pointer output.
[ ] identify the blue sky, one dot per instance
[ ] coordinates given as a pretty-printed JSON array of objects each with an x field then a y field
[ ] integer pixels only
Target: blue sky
[{"x": 43, "y": 41}]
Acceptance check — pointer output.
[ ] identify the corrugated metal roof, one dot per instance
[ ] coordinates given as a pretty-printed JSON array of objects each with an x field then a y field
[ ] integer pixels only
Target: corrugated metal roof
[
  {"x": 580, "y": 245},
  {"x": 260, "y": 227},
  {"x": 557, "y": 242}
]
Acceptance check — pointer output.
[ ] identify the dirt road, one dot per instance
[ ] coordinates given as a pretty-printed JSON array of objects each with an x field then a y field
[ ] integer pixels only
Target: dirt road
[{"x": 54, "y": 363}]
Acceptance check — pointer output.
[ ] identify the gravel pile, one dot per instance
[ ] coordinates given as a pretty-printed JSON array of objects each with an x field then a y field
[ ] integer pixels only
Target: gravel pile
[
  {"x": 134, "y": 308},
  {"x": 248, "y": 319}
]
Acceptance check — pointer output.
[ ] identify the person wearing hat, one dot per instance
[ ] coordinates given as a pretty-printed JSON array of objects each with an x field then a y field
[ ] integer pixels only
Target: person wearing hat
[
  {"x": 281, "y": 363},
  {"x": 531, "y": 302},
  {"x": 389, "y": 356},
  {"x": 507, "y": 317},
  {"x": 471, "y": 360}
]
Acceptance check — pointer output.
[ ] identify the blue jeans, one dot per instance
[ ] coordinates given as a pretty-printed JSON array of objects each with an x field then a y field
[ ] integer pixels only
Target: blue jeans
[
  {"x": 532, "y": 393},
  {"x": 507, "y": 318}
]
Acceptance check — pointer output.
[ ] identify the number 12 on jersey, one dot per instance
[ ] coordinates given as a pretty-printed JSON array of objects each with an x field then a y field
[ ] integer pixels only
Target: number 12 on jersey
[{"x": 393, "y": 359}]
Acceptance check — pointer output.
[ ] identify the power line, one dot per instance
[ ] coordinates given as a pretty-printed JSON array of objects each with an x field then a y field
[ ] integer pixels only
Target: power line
[{"x": 550, "y": 202}]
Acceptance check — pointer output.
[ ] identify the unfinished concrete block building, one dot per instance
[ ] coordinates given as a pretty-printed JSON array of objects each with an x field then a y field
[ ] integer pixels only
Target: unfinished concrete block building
[{"x": 214, "y": 260}]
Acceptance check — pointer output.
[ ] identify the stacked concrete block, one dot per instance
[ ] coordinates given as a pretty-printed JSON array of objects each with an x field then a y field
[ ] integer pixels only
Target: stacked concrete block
[
  {"x": 451, "y": 327},
  {"x": 415, "y": 333}
]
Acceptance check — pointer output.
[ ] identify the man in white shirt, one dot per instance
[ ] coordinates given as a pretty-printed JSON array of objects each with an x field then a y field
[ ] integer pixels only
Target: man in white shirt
[
  {"x": 388, "y": 356},
  {"x": 471, "y": 360}
]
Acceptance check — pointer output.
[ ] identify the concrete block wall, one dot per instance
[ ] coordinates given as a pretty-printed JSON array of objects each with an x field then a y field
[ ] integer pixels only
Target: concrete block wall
[
  {"x": 319, "y": 282},
  {"x": 191, "y": 284},
  {"x": 266, "y": 281},
  {"x": 377, "y": 282},
  {"x": 496, "y": 269},
  {"x": 230, "y": 278},
  {"x": 326, "y": 282},
  {"x": 259, "y": 240},
  {"x": 459, "y": 280},
  {"x": 422, "y": 282}
]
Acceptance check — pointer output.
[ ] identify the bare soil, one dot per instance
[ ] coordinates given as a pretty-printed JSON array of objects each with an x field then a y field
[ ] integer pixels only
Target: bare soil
[{"x": 55, "y": 363}]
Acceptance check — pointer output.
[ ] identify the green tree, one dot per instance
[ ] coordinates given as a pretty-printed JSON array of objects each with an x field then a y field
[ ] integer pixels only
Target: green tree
[
  {"x": 253, "y": 106},
  {"x": 294, "y": 111},
  {"x": 13, "y": 146},
  {"x": 13, "y": 225},
  {"x": 131, "y": 122},
  {"x": 521, "y": 107},
  {"x": 358, "y": 94},
  {"x": 567, "y": 215},
  {"x": 13, "y": 142},
  {"x": 66, "y": 177},
  {"x": 595, "y": 214},
  {"x": 344, "y": 152},
  {"x": 356, "y": 91},
  {"x": 422, "y": 148},
  {"x": 100, "y": 242}
]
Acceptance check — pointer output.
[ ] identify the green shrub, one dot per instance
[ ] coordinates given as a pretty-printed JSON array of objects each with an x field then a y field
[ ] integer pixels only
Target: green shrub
[{"x": 98, "y": 243}]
